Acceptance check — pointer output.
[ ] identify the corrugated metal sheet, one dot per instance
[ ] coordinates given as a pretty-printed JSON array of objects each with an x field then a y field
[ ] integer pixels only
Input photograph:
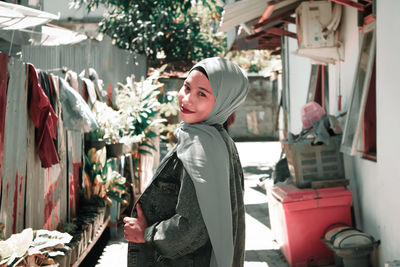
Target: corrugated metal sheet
[
  {"x": 15, "y": 148},
  {"x": 52, "y": 195},
  {"x": 55, "y": 182},
  {"x": 240, "y": 12},
  {"x": 74, "y": 152},
  {"x": 248, "y": 10},
  {"x": 112, "y": 64},
  {"x": 47, "y": 188},
  {"x": 35, "y": 182},
  {"x": 3, "y": 102},
  {"x": 62, "y": 154},
  {"x": 149, "y": 162}
]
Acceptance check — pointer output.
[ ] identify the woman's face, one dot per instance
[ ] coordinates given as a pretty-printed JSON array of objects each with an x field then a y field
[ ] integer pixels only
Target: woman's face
[{"x": 196, "y": 100}]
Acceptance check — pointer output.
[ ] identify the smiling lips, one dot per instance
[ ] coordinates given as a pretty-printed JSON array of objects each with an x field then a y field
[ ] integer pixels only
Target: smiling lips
[{"x": 186, "y": 111}]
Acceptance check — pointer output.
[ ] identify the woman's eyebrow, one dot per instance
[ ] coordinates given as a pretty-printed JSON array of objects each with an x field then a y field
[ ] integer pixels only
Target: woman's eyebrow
[{"x": 202, "y": 88}]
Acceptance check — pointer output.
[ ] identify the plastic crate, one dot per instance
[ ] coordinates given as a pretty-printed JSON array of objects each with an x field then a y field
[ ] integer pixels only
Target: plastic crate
[{"x": 309, "y": 163}]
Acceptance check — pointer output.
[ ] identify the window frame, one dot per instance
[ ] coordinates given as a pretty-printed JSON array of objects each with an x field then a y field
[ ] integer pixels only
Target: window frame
[
  {"x": 351, "y": 140},
  {"x": 318, "y": 87}
]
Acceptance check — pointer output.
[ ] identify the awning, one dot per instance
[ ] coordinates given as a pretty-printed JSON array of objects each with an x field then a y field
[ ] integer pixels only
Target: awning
[
  {"x": 266, "y": 20},
  {"x": 16, "y": 17},
  {"x": 253, "y": 11},
  {"x": 240, "y": 12},
  {"x": 53, "y": 35}
]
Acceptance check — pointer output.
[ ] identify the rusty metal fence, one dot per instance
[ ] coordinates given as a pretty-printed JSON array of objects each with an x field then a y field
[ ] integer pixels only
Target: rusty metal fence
[
  {"x": 32, "y": 196},
  {"x": 111, "y": 63}
]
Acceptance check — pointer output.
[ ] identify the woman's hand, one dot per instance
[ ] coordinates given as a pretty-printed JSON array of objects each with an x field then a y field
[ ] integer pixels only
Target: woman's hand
[{"x": 134, "y": 227}]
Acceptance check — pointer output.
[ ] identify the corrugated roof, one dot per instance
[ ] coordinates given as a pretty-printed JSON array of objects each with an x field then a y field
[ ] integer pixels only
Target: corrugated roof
[
  {"x": 16, "y": 17},
  {"x": 248, "y": 10},
  {"x": 239, "y": 12},
  {"x": 52, "y": 35}
]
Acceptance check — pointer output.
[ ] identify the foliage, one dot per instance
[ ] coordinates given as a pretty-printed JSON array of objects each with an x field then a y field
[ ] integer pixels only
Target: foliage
[
  {"x": 179, "y": 30},
  {"x": 100, "y": 179},
  {"x": 97, "y": 134},
  {"x": 136, "y": 111},
  {"x": 169, "y": 104},
  {"x": 139, "y": 100},
  {"x": 70, "y": 227},
  {"x": 169, "y": 109},
  {"x": 112, "y": 123},
  {"x": 258, "y": 61}
]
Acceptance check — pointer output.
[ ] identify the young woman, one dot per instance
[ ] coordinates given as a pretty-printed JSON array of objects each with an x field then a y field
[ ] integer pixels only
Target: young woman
[{"x": 192, "y": 212}]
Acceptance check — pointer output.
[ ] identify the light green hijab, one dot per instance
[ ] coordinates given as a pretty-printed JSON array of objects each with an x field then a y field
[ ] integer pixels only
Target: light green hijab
[{"x": 205, "y": 157}]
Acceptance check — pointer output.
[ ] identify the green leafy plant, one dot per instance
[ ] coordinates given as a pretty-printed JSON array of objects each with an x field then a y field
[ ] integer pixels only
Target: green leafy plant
[
  {"x": 173, "y": 30},
  {"x": 112, "y": 123},
  {"x": 169, "y": 109},
  {"x": 70, "y": 227},
  {"x": 100, "y": 179},
  {"x": 95, "y": 135},
  {"x": 145, "y": 113}
]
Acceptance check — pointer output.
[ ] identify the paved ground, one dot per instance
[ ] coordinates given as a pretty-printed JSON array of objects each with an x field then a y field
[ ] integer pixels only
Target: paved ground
[
  {"x": 257, "y": 161},
  {"x": 261, "y": 249}
]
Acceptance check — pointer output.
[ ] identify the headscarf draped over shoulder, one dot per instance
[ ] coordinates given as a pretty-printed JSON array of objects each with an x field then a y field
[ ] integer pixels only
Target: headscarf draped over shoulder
[{"x": 204, "y": 155}]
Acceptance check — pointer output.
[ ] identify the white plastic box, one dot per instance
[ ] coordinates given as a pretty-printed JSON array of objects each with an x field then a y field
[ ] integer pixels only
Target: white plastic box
[{"x": 312, "y": 18}]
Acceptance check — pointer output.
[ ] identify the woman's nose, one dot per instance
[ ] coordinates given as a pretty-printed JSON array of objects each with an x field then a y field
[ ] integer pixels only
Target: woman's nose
[{"x": 187, "y": 99}]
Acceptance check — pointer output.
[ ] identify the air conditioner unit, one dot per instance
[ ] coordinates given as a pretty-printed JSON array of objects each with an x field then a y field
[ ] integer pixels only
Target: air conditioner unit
[{"x": 316, "y": 24}]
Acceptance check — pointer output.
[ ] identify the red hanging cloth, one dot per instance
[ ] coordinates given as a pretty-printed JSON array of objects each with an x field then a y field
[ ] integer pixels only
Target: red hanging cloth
[{"x": 44, "y": 118}]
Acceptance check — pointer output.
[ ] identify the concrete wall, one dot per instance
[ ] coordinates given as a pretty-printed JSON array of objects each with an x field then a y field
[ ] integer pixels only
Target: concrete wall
[
  {"x": 382, "y": 186},
  {"x": 255, "y": 118},
  {"x": 375, "y": 185}
]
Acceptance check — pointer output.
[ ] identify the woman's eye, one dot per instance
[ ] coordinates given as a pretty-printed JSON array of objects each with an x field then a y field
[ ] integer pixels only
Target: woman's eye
[
  {"x": 202, "y": 94},
  {"x": 187, "y": 88}
]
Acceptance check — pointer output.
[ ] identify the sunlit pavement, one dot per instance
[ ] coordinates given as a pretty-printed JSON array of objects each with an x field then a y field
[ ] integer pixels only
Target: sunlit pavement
[
  {"x": 261, "y": 250},
  {"x": 257, "y": 159}
]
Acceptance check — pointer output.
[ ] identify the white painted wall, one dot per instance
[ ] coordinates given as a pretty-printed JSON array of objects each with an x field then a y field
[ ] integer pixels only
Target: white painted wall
[
  {"x": 343, "y": 72},
  {"x": 375, "y": 185},
  {"x": 299, "y": 75},
  {"x": 384, "y": 188}
]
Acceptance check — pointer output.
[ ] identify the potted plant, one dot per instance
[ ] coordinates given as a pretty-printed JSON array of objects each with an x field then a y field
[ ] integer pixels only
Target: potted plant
[
  {"x": 95, "y": 139},
  {"x": 111, "y": 127},
  {"x": 140, "y": 102},
  {"x": 100, "y": 180}
]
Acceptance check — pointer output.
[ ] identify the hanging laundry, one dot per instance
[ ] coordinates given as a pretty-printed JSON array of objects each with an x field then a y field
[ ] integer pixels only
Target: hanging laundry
[
  {"x": 48, "y": 88},
  {"x": 88, "y": 91},
  {"x": 99, "y": 85},
  {"x": 77, "y": 115},
  {"x": 44, "y": 119},
  {"x": 72, "y": 78}
]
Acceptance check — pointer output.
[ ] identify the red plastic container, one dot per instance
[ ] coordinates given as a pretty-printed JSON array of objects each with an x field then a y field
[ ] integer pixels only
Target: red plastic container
[{"x": 299, "y": 218}]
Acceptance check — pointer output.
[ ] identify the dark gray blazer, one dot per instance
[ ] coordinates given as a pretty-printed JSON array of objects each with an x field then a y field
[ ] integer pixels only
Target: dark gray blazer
[{"x": 176, "y": 235}]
